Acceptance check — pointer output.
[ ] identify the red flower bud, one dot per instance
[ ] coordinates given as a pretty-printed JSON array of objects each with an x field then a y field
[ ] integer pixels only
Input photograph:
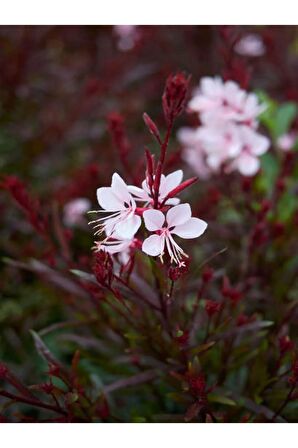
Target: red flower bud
[
  {"x": 103, "y": 268},
  {"x": 151, "y": 126},
  {"x": 207, "y": 274},
  {"x": 180, "y": 188},
  {"x": 3, "y": 371},
  {"x": 285, "y": 344},
  {"x": 212, "y": 307},
  {"x": 174, "y": 96}
]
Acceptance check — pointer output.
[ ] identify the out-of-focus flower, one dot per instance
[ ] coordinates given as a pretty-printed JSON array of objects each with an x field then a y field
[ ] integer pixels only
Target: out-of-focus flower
[
  {"x": 227, "y": 136},
  {"x": 75, "y": 210},
  {"x": 221, "y": 142},
  {"x": 287, "y": 141},
  {"x": 225, "y": 100},
  {"x": 253, "y": 146},
  {"x": 250, "y": 45},
  {"x": 119, "y": 207},
  {"x": 167, "y": 184},
  {"x": 178, "y": 222},
  {"x": 127, "y": 36},
  {"x": 193, "y": 151}
]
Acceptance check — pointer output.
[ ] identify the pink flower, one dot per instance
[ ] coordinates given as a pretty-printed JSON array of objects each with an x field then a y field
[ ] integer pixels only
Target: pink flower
[
  {"x": 221, "y": 142},
  {"x": 178, "y": 222},
  {"x": 250, "y": 45},
  {"x": 116, "y": 245},
  {"x": 287, "y": 141},
  {"x": 127, "y": 36},
  {"x": 119, "y": 207},
  {"x": 75, "y": 210},
  {"x": 225, "y": 100},
  {"x": 253, "y": 146},
  {"x": 193, "y": 151},
  {"x": 167, "y": 184}
]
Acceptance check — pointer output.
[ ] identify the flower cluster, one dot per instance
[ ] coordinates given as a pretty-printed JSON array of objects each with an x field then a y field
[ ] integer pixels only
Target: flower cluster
[
  {"x": 228, "y": 134},
  {"x": 122, "y": 218}
]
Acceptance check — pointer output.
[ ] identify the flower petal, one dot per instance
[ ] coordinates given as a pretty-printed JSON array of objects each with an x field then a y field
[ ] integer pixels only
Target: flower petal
[
  {"x": 248, "y": 165},
  {"x": 172, "y": 201},
  {"x": 139, "y": 193},
  {"x": 178, "y": 215},
  {"x": 170, "y": 182},
  {"x": 128, "y": 227},
  {"x": 108, "y": 201},
  {"x": 154, "y": 219},
  {"x": 153, "y": 245},
  {"x": 193, "y": 228},
  {"x": 120, "y": 189}
]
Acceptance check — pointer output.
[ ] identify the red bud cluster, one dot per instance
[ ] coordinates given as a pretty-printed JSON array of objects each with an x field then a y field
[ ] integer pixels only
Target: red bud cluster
[
  {"x": 174, "y": 96},
  {"x": 212, "y": 307},
  {"x": 230, "y": 292},
  {"x": 103, "y": 268},
  {"x": 285, "y": 344},
  {"x": 175, "y": 272},
  {"x": 30, "y": 206}
]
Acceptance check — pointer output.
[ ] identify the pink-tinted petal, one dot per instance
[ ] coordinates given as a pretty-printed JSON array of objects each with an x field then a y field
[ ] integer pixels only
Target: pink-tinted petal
[
  {"x": 178, "y": 215},
  {"x": 154, "y": 219},
  {"x": 248, "y": 165},
  {"x": 172, "y": 201},
  {"x": 170, "y": 182},
  {"x": 261, "y": 145},
  {"x": 128, "y": 227},
  {"x": 193, "y": 228},
  {"x": 107, "y": 200},
  {"x": 154, "y": 245},
  {"x": 120, "y": 188},
  {"x": 139, "y": 193}
]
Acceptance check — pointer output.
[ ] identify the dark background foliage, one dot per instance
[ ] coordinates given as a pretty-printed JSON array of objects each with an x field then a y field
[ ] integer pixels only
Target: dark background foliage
[{"x": 63, "y": 92}]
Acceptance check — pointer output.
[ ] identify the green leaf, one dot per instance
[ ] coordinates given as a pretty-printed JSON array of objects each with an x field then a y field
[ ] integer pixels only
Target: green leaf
[
  {"x": 270, "y": 168},
  {"x": 202, "y": 348},
  {"x": 285, "y": 115},
  {"x": 221, "y": 399},
  {"x": 43, "y": 350}
]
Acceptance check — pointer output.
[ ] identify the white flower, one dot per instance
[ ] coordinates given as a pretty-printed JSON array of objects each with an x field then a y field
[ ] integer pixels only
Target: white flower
[
  {"x": 225, "y": 100},
  {"x": 193, "y": 151},
  {"x": 75, "y": 210},
  {"x": 119, "y": 207},
  {"x": 127, "y": 36},
  {"x": 221, "y": 141},
  {"x": 253, "y": 146},
  {"x": 287, "y": 141},
  {"x": 178, "y": 222},
  {"x": 116, "y": 245},
  {"x": 250, "y": 45},
  {"x": 167, "y": 184}
]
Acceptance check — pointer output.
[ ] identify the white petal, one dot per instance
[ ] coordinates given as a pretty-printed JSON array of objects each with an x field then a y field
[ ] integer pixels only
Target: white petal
[
  {"x": 171, "y": 181},
  {"x": 120, "y": 188},
  {"x": 138, "y": 192},
  {"x": 154, "y": 245},
  {"x": 116, "y": 248},
  {"x": 128, "y": 227},
  {"x": 261, "y": 146},
  {"x": 178, "y": 215},
  {"x": 193, "y": 228},
  {"x": 172, "y": 201},
  {"x": 248, "y": 165},
  {"x": 107, "y": 200},
  {"x": 154, "y": 219}
]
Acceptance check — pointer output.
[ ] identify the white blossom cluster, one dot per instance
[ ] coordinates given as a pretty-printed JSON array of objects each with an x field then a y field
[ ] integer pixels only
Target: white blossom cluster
[
  {"x": 228, "y": 135},
  {"x": 121, "y": 219}
]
